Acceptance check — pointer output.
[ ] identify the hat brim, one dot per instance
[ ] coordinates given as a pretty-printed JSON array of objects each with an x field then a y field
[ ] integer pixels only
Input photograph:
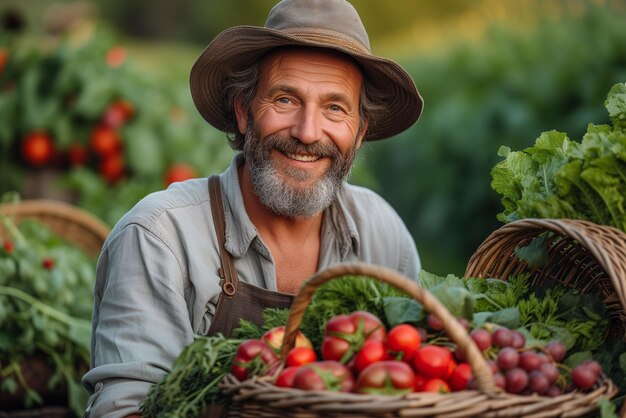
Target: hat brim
[{"x": 241, "y": 46}]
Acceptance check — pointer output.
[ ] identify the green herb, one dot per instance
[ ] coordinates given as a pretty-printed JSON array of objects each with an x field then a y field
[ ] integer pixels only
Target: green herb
[{"x": 192, "y": 384}]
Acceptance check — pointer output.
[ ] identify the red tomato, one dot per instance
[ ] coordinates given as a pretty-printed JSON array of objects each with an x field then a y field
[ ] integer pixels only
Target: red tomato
[
  {"x": 324, "y": 375},
  {"x": 48, "y": 263},
  {"x": 404, "y": 340},
  {"x": 460, "y": 377},
  {"x": 117, "y": 113},
  {"x": 419, "y": 382},
  {"x": 4, "y": 58},
  {"x": 116, "y": 56},
  {"x": 372, "y": 351},
  {"x": 37, "y": 149},
  {"x": 253, "y": 358},
  {"x": 285, "y": 378},
  {"x": 436, "y": 385},
  {"x": 298, "y": 356},
  {"x": 433, "y": 361},
  {"x": 112, "y": 168},
  {"x": 179, "y": 172},
  {"x": 8, "y": 246},
  {"x": 77, "y": 155},
  {"x": 345, "y": 334},
  {"x": 389, "y": 377},
  {"x": 274, "y": 338},
  {"x": 105, "y": 141}
]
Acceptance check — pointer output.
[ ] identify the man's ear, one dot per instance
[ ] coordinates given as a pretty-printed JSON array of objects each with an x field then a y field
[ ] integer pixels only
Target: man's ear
[
  {"x": 241, "y": 113},
  {"x": 362, "y": 132}
]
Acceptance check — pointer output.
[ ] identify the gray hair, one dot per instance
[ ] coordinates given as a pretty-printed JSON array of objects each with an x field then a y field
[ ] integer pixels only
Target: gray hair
[{"x": 242, "y": 85}]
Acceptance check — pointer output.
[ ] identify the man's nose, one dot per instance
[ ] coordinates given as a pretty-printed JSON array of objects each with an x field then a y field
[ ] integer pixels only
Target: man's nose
[{"x": 307, "y": 126}]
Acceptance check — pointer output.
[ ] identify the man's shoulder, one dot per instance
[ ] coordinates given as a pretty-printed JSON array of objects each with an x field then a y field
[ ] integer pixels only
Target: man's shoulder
[
  {"x": 362, "y": 198},
  {"x": 179, "y": 200}
]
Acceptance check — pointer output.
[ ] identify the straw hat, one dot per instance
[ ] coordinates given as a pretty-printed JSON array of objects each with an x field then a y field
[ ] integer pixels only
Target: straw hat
[{"x": 333, "y": 24}]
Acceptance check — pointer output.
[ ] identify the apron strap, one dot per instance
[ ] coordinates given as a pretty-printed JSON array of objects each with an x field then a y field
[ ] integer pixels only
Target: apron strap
[{"x": 227, "y": 270}]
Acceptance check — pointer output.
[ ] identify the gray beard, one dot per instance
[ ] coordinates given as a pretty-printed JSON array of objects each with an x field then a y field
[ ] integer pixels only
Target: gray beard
[{"x": 278, "y": 195}]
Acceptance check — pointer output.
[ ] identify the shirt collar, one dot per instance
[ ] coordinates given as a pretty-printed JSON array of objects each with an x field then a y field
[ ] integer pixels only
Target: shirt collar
[{"x": 338, "y": 229}]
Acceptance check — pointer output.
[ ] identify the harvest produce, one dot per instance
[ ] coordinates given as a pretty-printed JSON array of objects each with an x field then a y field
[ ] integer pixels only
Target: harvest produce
[
  {"x": 46, "y": 299},
  {"x": 562, "y": 178},
  {"x": 376, "y": 340}
]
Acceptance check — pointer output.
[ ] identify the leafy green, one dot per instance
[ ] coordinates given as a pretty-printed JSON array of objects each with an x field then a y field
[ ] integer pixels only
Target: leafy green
[
  {"x": 44, "y": 311},
  {"x": 560, "y": 178}
]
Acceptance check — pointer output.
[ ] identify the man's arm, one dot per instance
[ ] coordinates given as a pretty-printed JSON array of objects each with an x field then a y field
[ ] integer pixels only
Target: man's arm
[{"x": 141, "y": 322}]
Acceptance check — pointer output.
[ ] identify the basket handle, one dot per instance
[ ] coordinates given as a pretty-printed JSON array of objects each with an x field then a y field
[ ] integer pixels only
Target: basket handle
[{"x": 455, "y": 331}]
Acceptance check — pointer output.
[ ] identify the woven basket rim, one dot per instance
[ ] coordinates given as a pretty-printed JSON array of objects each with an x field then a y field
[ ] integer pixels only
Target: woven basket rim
[{"x": 46, "y": 209}]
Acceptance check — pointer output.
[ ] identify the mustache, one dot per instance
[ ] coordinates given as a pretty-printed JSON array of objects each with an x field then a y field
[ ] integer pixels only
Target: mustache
[{"x": 287, "y": 144}]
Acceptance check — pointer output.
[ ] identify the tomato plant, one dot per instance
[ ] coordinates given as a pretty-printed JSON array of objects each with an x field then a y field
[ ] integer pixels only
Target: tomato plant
[{"x": 179, "y": 172}]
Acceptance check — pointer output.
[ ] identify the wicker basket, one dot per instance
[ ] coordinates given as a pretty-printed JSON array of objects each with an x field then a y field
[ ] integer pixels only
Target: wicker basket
[
  {"x": 258, "y": 397},
  {"x": 75, "y": 225},
  {"x": 581, "y": 255}
]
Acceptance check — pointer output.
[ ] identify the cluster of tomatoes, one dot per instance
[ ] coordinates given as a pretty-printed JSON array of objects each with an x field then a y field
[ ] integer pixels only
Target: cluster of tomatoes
[
  {"x": 104, "y": 149},
  {"x": 358, "y": 354}
]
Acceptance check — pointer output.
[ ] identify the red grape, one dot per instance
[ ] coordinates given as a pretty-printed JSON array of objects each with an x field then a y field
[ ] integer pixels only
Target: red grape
[
  {"x": 502, "y": 337},
  {"x": 583, "y": 376},
  {"x": 538, "y": 382},
  {"x": 556, "y": 350},
  {"x": 551, "y": 372},
  {"x": 518, "y": 340},
  {"x": 508, "y": 358},
  {"x": 516, "y": 380},
  {"x": 529, "y": 361},
  {"x": 482, "y": 338},
  {"x": 434, "y": 322}
]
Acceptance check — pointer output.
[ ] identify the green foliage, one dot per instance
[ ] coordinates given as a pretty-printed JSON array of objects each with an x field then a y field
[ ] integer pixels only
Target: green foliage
[
  {"x": 503, "y": 90},
  {"x": 560, "y": 178},
  {"x": 66, "y": 86},
  {"x": 46, "y": 300}
]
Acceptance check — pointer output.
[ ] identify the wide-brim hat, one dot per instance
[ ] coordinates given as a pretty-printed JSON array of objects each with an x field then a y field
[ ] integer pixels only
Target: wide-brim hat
[{"x": 332, "y": 24}]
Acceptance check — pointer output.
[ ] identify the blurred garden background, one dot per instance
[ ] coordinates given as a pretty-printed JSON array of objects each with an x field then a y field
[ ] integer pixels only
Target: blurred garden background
[{"x": 95, "y": 106}]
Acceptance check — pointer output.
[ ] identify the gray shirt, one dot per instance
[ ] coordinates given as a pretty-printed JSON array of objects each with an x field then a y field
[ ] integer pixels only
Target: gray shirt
[{"x": 157, "y": 282}]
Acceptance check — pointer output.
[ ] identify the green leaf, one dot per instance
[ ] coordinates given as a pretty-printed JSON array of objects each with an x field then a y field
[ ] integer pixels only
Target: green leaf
[
  {"x": 80, "y": 333},
  {"x": 536, "y": 252},
  {"x": 400, "y": 310},
  {"x": 607, "y": 408},
  {"x": 509, "y": 318},
  {"x": 458, "y": 300},
  {"x": 8, "y": 385}
]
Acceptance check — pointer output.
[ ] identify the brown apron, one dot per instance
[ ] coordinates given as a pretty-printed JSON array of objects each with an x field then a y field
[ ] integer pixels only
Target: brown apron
[{"x": 238, "y": 299}]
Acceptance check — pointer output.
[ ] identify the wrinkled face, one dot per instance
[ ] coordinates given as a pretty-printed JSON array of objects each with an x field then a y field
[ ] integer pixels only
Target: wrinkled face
[{"x": 302, "y": 131}]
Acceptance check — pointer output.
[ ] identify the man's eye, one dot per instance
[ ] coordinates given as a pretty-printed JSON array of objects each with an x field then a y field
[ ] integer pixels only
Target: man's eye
[
  {"x": 284, "y": 100},
  {"x": 335, "y": 108}
]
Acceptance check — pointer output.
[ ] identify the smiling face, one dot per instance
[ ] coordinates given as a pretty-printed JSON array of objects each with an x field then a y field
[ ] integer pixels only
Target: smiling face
[{"x": 303, "y": 130}]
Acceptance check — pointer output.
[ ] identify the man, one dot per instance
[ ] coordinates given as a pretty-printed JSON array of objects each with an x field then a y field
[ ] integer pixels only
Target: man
[{"x": 299, "y": 97}]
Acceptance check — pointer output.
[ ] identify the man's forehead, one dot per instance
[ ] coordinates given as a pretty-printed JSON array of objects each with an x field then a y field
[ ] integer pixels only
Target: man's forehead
[{"x": 279, "y": 57}]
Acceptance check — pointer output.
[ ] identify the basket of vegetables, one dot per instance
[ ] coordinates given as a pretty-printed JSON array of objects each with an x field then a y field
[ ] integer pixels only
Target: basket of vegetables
[
  {"x": 48, "y": 253},
  {"x": 369, "y": 367}
]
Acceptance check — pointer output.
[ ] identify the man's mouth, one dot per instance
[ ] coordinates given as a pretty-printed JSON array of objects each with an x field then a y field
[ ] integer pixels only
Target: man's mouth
[{"x": 303, "y": 157}]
